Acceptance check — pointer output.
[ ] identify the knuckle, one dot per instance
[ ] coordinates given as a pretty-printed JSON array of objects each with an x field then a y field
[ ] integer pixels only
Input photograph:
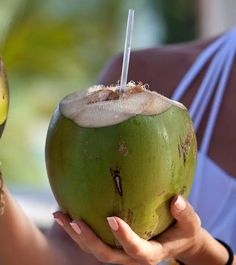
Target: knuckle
[
  {"x": 192, "y": 222},
  {"x": 84, "y": 248},
  {"x": 195, "y": 240},
  {"x": 77, "y": 240},
  {"x": 74, "y": 237},
  {"x": 104, "y": 257},
  {"x": 192, "y": 231},
  {"x": 134, "y": 250},
  {"x": 196, "y": 228}
]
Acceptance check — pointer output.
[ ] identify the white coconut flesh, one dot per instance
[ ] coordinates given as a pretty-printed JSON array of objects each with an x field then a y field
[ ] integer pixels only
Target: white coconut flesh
[{"x": 101, "y": 106}]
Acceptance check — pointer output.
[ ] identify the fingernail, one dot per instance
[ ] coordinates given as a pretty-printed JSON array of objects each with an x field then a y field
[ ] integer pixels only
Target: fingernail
[
  {"x": 59, "y": 221},
  {"x": 113, "y": 223},
  {"x": 76, "y": 227},
  {"x": 180, "y": 203}
]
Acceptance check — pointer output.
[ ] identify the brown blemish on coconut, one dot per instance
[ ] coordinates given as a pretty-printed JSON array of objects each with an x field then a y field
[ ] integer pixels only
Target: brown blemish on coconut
[
  {"x": 183, "y": 190},
  {"x": 161, "y": 193},
  {"x": 123, "y": 149},
  {"x": 117, "y": 180},
  {"x": 148, "y": 234},
  {"x": 179, "y": 150},
  {"x": 172, "y": 171},
  {"x": 130, "y": 217},
  {"x": 186, "y": 144},
  {"x": 85, "y": 151}
]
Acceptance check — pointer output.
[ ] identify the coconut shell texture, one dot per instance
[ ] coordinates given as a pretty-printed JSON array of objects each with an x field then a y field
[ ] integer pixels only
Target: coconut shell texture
[{"x": 131, "y": 169}]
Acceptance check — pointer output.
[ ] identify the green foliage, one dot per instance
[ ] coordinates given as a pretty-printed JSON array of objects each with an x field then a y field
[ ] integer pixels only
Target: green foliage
[
  {"x": 52, "y": 48},
  {"x": 180, "y": 20},
  {"x": 63, "y": 39}
]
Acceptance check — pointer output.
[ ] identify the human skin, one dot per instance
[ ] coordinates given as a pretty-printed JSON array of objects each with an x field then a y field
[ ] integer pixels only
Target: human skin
[
  {"x": 162, "y": 68},
  {"x": 186, "y": 240},
  {"x": 22, "y": 243}
]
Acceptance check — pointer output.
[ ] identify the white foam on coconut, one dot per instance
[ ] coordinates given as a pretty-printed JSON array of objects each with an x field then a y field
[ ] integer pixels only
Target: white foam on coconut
[{"x": 101, "y": 106}]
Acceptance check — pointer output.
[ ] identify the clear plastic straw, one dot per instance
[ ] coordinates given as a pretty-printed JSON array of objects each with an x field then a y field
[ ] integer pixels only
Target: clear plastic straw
[{"x": 127, "y": 48}]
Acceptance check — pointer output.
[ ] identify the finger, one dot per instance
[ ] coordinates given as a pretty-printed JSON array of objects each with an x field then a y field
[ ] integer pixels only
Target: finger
[
  {"x": 147, "y": 252},
  {"x": 185, "y": 215},
  {"x": 64, "y": 221},
  {"x": 61, "y": 218},
  {"x": 89, "y": 242},
  {"x": 182, "y": 235},
  {"x": 97, "y": 247}
]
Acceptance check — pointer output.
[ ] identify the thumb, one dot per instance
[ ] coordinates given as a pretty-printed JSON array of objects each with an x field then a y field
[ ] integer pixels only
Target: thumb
[{"x": 184, "y": 214}]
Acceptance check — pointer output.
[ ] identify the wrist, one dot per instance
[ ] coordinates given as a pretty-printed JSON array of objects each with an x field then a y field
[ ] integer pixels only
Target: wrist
[
  {"x": 204, "y": 250},
  {"x": 195, "y": 248}
]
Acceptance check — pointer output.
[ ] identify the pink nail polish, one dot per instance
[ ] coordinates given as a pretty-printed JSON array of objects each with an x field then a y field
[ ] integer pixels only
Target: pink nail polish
[
  {"x": 76, "y": 227},
  {"x": 113, "y": 223},
  {"x": 180, "y": 204},
  {"x": 59, "y": 221}
]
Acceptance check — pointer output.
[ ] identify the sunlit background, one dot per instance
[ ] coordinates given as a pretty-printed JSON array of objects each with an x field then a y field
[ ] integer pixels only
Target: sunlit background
[{"x": 54, "y": 47}]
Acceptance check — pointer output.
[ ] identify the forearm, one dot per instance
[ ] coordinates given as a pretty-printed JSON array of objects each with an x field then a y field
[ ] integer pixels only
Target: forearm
[
  {"x": 210, "y": 251},
  {"x": 21, "y": 241}
]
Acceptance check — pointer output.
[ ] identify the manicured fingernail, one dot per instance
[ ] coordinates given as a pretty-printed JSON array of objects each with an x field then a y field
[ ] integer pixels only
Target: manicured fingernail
[
  {"x": 76, "y": 227},
  {"x": 113, "y": 223},
  {"x": 180, "y": 204},
  {"x": 59, "y": 221}
]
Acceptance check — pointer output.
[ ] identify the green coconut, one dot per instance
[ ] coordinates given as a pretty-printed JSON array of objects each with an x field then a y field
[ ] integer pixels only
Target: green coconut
[
  {"x": 126, "y": 155},
  {"x": 4, "y": 97}
]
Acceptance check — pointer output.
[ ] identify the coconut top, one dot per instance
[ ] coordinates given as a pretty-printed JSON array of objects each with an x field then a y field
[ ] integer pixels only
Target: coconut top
[{"x": 101, "y": 106}]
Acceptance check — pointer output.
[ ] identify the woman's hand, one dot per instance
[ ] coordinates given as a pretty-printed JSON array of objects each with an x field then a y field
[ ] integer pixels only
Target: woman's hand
[{"x": 186, "y": 240}]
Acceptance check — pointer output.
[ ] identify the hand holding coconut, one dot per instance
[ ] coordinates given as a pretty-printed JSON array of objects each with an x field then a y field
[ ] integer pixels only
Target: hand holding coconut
[
  {"x": 127, "y": 173},
  {"x": 106, "y": 110},
  {"x": 186, "y": 240},
  {"x": 120, "y": 150},
  {"x": 124, "y": 155}
]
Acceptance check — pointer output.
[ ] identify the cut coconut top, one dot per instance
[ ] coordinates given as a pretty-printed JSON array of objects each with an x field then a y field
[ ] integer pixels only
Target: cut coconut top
[{"x": 101, "y": 106}]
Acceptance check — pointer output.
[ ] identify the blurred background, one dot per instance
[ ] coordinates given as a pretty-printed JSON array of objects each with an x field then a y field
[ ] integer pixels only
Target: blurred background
[{"x": 54, "y": 47}]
